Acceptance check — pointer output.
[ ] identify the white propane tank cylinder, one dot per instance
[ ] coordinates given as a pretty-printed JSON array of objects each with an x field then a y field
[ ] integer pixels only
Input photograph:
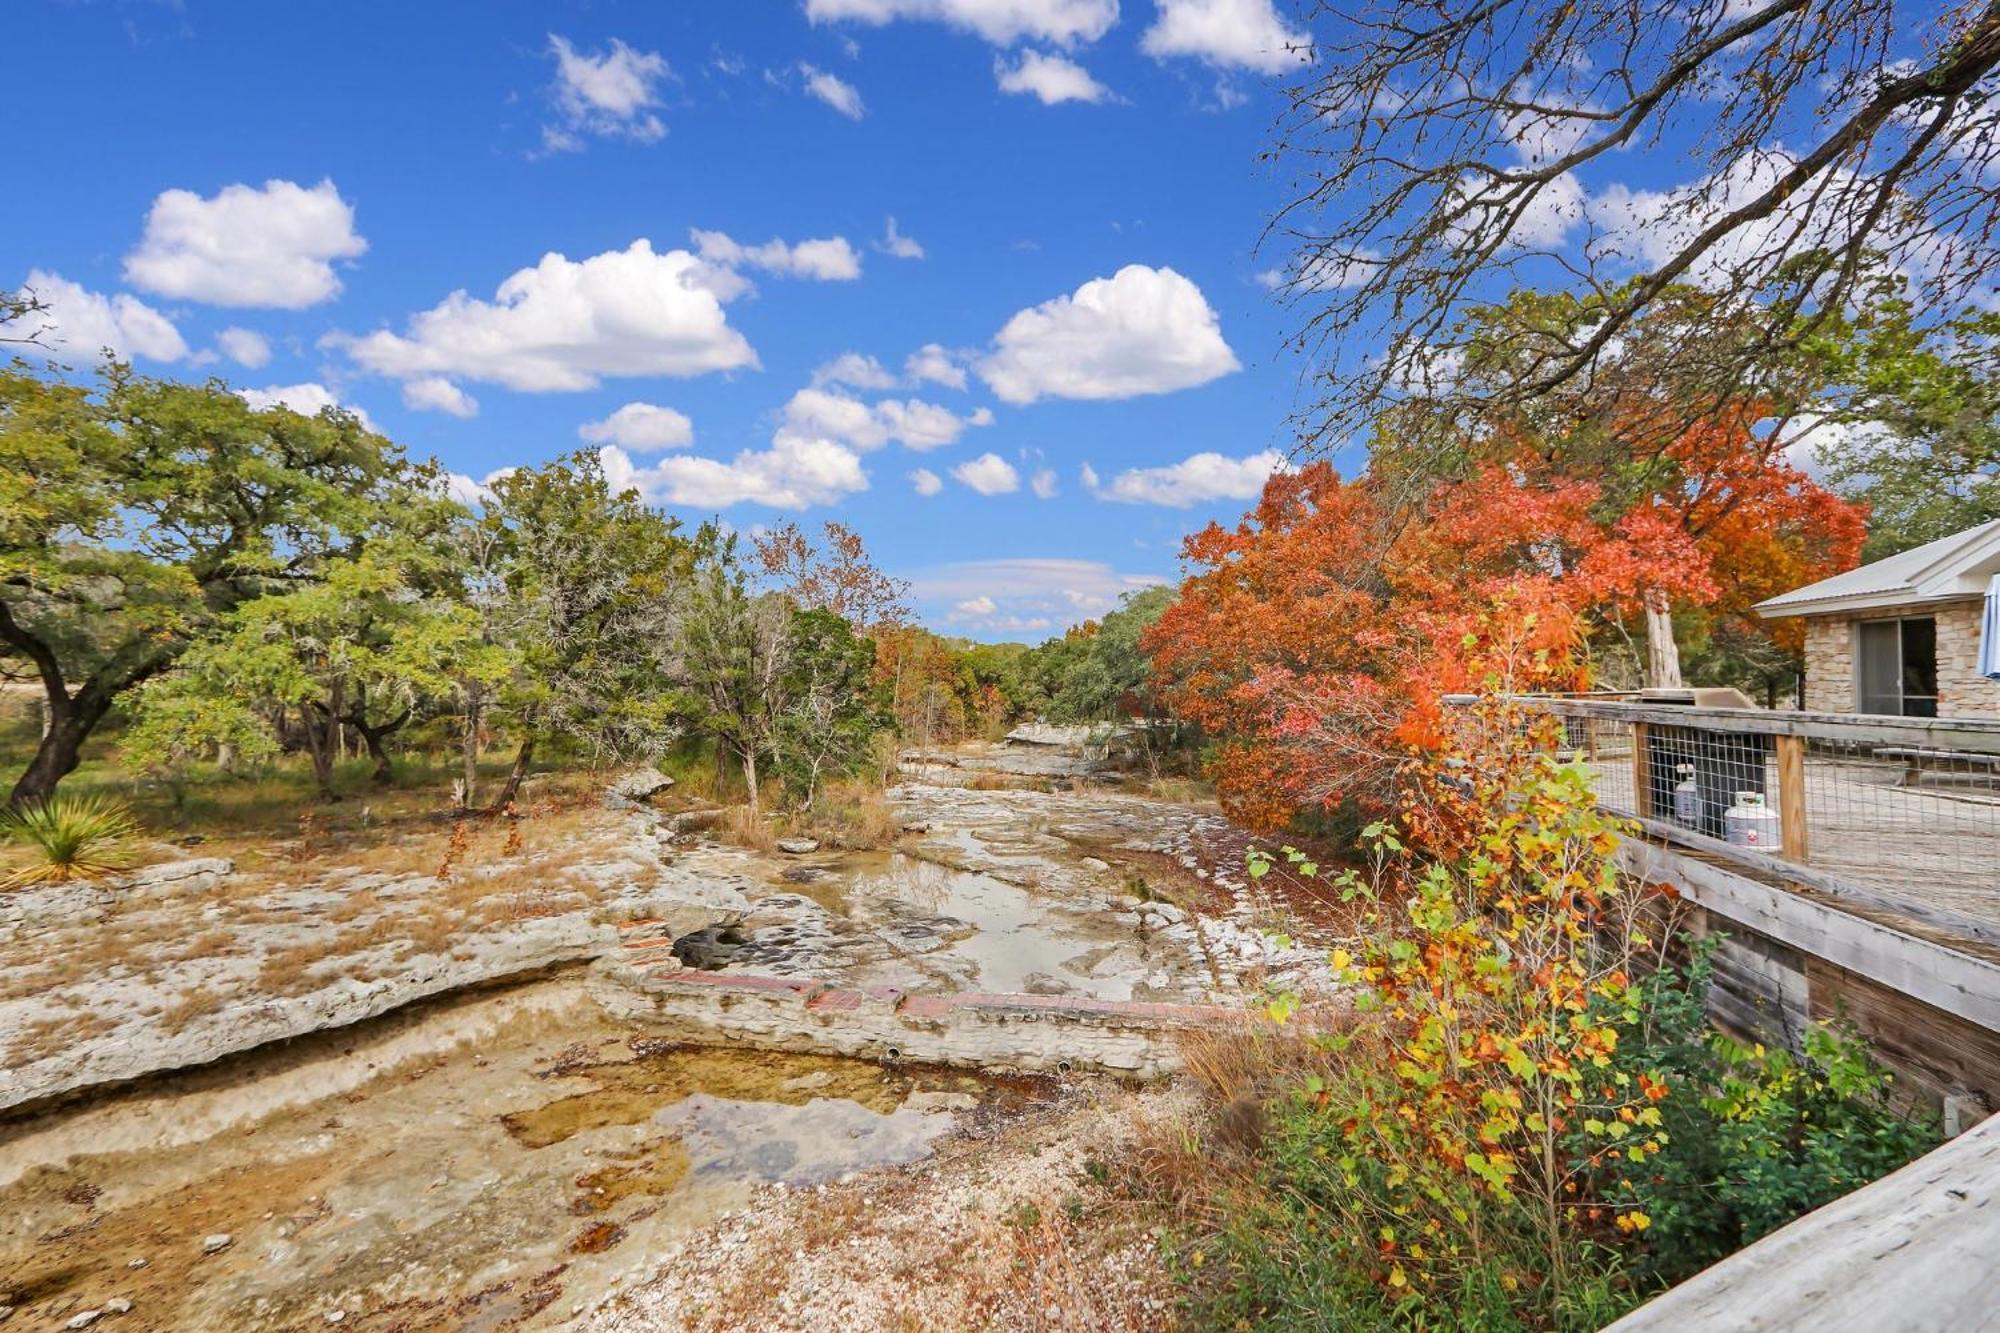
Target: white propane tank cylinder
[
  {"x": 1687, "y": 798},
  {"x": 1751, "y": 823}
]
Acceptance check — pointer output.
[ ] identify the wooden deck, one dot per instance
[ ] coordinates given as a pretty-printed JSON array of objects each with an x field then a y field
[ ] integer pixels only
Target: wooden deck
[{"x": 1911, "y": 1253}]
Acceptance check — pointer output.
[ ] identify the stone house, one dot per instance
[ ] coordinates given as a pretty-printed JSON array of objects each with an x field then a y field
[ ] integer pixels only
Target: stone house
[{"x": 1900, "y": 635}]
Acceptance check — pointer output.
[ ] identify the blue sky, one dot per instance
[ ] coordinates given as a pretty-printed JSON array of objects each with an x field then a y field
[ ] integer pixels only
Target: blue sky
[
  {"x": 507, "y": 231},
  {"x": 290, "y": 196}
]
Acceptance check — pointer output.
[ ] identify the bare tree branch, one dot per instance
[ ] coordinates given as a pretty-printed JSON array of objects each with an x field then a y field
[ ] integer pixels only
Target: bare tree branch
[{"x": 1435, "y": 155}]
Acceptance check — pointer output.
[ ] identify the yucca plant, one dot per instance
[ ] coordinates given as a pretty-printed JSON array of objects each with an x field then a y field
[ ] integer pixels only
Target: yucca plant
[{"x": 78, "y": 837}]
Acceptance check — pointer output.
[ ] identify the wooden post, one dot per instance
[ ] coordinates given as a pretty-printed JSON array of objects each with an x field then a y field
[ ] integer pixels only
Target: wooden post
[
  {"x": 1792, "y": 796},
  {"x": 1642, "y": 776}
]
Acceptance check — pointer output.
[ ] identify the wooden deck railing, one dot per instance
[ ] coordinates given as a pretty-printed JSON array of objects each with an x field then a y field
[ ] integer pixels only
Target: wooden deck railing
[{"x": 1887, "y": 814}]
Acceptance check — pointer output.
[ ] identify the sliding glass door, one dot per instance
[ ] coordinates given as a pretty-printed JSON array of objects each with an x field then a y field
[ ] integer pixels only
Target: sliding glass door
[{"x": 1896, "y": 667}]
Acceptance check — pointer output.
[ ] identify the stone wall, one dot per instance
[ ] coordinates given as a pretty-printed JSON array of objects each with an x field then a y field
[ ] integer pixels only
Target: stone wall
[{"x": 1962, "y": 691}]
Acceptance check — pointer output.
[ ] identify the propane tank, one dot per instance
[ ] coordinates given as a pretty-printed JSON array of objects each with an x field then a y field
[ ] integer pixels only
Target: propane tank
[
  {"x": 1751, "y": 823},
  {"x": 1687, "y": 798}
]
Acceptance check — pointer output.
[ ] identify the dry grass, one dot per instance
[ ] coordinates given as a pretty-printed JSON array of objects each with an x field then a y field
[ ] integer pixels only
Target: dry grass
[
  {"x": 1194, "y": 1157},
  {"x": 852, "y": 814},
  {"x": 194, "y": 1003},
  {"x": 1179, "y": 790},
  {"x": 754, "y": 831}
]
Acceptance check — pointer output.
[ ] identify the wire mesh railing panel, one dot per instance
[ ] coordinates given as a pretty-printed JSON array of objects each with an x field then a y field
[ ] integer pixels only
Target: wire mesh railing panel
[
  {"x": 1922, "y": 823},
  {"x": 1908, "y": 811}
]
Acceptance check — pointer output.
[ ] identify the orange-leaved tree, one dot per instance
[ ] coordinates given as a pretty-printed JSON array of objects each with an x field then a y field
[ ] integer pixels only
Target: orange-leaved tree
[{"x": 1316, "y": 638}]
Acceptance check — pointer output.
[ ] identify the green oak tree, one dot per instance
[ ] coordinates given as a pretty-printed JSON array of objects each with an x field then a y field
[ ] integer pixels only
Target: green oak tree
[
  {"x": 136, "y": 514},
  {"x": 592, "y": 591}
]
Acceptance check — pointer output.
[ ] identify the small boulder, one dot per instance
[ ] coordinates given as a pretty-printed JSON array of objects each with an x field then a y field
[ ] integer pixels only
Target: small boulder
[
  {"x": 798, "y": 846},
  {"x": 217, "y": 1243},
  {"x": 917, "y": 828},
  {"x": 196, "y": 874},
  {"x": 641, "y": 784},
  {"x": 84, "y": 1318},
  {"x": 940, "y": 1101},
  {"x": 118, "y": 1305}
]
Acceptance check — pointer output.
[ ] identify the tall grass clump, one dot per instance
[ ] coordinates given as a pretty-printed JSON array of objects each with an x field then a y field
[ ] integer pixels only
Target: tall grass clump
[{"x": 73, "y": 837}]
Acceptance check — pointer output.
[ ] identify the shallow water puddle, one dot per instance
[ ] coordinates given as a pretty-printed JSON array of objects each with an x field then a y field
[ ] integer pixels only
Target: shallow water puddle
[
  {"x": 530, "y": 1155},
  {"x": 1017, "y": 940}
]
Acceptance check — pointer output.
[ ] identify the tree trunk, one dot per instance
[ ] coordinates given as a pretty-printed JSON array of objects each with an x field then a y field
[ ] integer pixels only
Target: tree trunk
[
  {"x": 67, "y": 719},
  {"x": 55, "y": 758},
  {"x": 384, "y": 773},
  {"x": 469, "y": 745},
  {"x": 319, "y": 744},
  {"x": 749, "y": 753},
  {"x": 1663, "y": 655},
  {"x": 523, "y": 757}
]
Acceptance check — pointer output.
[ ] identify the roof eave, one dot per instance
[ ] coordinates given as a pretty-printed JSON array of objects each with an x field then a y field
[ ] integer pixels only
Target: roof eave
[{"x": 1857, "y": 601}]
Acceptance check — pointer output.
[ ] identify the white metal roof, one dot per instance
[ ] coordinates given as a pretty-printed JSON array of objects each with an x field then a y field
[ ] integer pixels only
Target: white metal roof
[{"x": 1949, "y": 568}]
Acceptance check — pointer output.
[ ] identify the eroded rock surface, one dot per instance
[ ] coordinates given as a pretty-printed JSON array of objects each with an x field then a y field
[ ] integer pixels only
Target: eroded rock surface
[{"x": 184, "y": 964}]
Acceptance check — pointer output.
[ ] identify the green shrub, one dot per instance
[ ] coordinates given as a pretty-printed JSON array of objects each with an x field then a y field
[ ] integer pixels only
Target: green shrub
[
  {"x": 1758, "y": 1136},
  {"x": 77, "y": 837},
  {"x": 1752, "y": 1138}
]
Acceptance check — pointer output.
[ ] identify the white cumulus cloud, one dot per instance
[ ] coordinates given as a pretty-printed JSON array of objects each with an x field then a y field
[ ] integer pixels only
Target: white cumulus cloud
[
  {"x": 835, "y": 91},
  {"x": 896, "y": 245},
  {"x": 435, "y": 393},
  {"x": 796, "y": 472},
  {"x": 1052, "y": 78},
  {"x": 80, "y": 323},
  {"x": 1241, "y": 34},
  {"x": 1142, "y": 330},
  {"x": 856, "y": 371},
  {"x": 911, "y": 422},
  {"x": 1002, "y": 22},
  {"x": 273, "y": 247},
  {"x": 610, "y": 94},
  {"x": 565, "y": 324},
  {"x": 245, "y": 347},
  {"x": 926, "y": 482},
  {"x": 933, "y": 363},
  {"x": 641, "y": 427},
  {"x": 827, "y": 259},
  {"x": 471, "y": 493},
  {"x": 1194, "y": 480},
  {"x": 308, "y": 400},
  {"x": 989, "y": 474}
]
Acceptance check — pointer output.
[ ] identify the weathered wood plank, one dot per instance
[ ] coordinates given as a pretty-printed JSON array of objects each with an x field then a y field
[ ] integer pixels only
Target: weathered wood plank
[
  {"x": 1912, "y": 1253},
  {"x": 1792, "y": 796},
  {"x": 1955, "y": 982},
  {"x": 1834, "y": 886},
  {"x": 1943, "y": 1053},
  {"x": 1642, "y": 772}
]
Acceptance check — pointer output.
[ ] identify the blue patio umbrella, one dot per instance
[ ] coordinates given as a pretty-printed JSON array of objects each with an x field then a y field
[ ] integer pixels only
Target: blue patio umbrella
[{"x": 1989, "y": 633}]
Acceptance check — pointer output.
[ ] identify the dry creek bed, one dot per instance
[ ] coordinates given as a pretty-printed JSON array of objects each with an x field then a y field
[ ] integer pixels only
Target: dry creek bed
[{"x": 512, "y": 1157}]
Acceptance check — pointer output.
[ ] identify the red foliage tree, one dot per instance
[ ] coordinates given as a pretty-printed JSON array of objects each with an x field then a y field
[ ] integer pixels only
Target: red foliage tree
[{"x": 1318, "y": 636}]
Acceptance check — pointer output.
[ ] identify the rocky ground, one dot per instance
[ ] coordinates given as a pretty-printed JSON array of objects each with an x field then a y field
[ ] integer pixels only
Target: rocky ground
[
  {"x": 365, "y": 1137},
  {"x": 1017, "y": 1222},
  {"x": 189, "y": 960}
]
